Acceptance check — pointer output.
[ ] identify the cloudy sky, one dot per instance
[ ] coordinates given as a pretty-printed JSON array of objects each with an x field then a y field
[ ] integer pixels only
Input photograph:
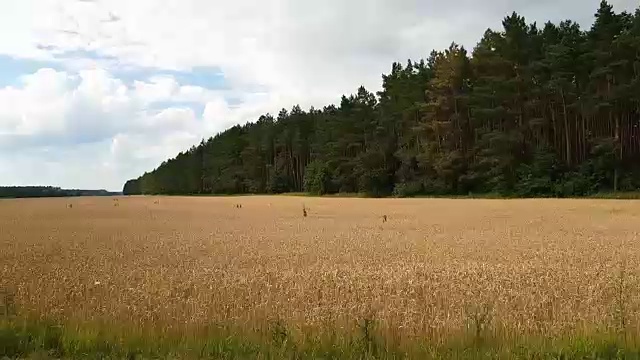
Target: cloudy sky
[{"x": 94, "y": 92}]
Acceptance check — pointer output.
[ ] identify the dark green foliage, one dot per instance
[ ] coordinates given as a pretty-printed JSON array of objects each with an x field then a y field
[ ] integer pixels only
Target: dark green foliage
[
  {"x": 540, "y": 176},
  {"x": 550, "y": 111},
  {"x": 132, "y": 187},
  {"x": 317, "y": 180},
  {"x": 408, "y": 189}
]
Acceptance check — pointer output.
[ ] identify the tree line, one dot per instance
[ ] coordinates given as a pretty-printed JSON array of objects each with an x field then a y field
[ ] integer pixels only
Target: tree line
[
  {"x": 48, "y": 191},
  {"x": 531, "y": 111}
]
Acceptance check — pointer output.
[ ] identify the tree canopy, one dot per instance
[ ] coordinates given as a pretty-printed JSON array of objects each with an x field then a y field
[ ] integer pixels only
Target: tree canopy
[{"x": 549, "y": 110}]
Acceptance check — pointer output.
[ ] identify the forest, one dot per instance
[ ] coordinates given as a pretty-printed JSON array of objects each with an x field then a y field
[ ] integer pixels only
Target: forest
[
  {"x": 47, "y": 191},
  {"x": 532, "y": 110}
]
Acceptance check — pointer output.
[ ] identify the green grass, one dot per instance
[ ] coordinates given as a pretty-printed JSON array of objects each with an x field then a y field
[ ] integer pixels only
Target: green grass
[{"x": 20, "y": 339}]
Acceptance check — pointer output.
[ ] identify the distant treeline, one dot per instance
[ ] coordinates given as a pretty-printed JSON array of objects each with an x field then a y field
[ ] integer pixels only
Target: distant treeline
[
  {"x": 47, "y": 191},
  {"x": 549, "y": 110}
]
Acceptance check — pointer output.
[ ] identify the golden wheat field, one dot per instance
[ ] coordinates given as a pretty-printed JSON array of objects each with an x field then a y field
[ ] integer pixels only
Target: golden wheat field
[{"x": 435, "y": 266}]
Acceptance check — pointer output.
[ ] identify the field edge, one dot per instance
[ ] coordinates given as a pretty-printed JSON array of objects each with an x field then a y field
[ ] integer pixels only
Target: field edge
[{"x": 42, "y": 339}]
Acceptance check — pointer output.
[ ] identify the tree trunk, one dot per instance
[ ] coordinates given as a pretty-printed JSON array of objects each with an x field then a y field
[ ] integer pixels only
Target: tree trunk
[
  {"x": 566, "y": 128},
  {"x": 554, "y": 128},
  {"x": 617, "y": 155}
]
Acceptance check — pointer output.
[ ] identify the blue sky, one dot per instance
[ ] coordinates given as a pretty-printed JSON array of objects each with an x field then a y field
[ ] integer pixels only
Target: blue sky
[
  {"x": 12, "y": 68},
  {"x": 93, "y": 93}
]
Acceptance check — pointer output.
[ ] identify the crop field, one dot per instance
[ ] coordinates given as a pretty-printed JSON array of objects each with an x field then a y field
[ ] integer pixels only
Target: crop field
[{"x": 392, "y": 276}]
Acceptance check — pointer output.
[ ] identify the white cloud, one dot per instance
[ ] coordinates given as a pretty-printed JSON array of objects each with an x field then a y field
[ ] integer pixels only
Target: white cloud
[
  {"x": 292, "y": 47},
  {"x": 79, "y": 130},
  {"x": 296, "y": 51}
]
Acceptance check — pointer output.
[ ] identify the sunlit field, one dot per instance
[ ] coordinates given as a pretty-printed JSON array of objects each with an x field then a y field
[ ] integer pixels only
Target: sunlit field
[{"x": 253, "y": 277}]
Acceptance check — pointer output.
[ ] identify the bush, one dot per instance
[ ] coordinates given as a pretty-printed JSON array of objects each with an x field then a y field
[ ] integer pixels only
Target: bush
[
  {"x": 540, "y": 176},
  {"x": 317, "y": 179},
  {"x": 574, "y": 184},
  {"x": 408, "y": 189}
]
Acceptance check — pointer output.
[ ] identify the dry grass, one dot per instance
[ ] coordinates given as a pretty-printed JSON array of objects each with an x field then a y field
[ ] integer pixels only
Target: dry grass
[{"x": 434, "y": 269}]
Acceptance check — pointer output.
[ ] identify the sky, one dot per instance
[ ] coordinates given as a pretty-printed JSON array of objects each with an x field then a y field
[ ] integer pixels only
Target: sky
[{"x": 96, "y": 92}]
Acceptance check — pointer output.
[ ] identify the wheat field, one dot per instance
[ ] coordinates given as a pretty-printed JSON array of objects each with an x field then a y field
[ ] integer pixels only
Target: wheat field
[{"x": 433, "y": 268}]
